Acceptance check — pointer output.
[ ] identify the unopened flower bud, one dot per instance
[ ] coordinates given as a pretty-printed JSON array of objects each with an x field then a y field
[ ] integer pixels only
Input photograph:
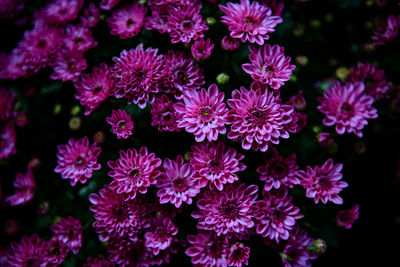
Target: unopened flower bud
[
  {"x": 222, "y": 78},
  {"x": 211, "y": 21},
  {"x": 75, "y": 123}
]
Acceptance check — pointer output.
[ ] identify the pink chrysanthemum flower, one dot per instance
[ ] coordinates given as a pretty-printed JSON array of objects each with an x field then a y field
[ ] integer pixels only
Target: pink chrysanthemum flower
[
  {"x": 7, "y": 140},
  {"x": 138, "y": 73},
  {"x": 279, "y": 171},
  {"x": 346, "y": 218},
  {"x": 323, "y": 183},
  {"x": 207, "y": 249},
  {"x": 10, "y": 8},
  {"x": 160, "y": 234},
  {"x": 373, "y": 78},
  {"x": 60, "y": 12},
  {"x": 121, "y": 123},
  {"x": 203, "y": 113},
  {"x": 387, "y": 31},
  {"x": 108, "y": 4},
  {"x": 348, "y": 107},
  {"x": 69, "y": 232},
  {"x": 7, "y": 103},
  {"x": 324, "y": 139},
  {"x": 116, "y": 217},
  {"x": 77, "y": 161},
  {"x": 238, "y": 254},
  {"x": 176, "y": 183},
  {"x": 297, "y": 250},
  {"x": 78, "y": 37},
  {"x": 91, "y": 16},
  {"x": 100, "y": 261},
  {"x": 94, "y": 88},
  {"x": 297, "y": 101},
  {"x": 163, "y": 115},
  {"x": 68, "y": 65},
  {"x": 134, "y": 172},
  {"x": 30, "y": 251},
  {"x": 228, "y": 211},
  {"x": 229, "y": 43},
  {"x": 185, "y": 23},
  {"x": 57, "y": 251},
  {"x": 216, "y": 164},
  {"x": 268, "y": 65},
  {"x": 275, "y": 215},
  {"x": 24, "y": 189},
  {"x": 249, "y": 21},
  {"x": 128, "y": 21},
  {"x": 258, "y": 118},
  {"x": 202, "y": 49}
]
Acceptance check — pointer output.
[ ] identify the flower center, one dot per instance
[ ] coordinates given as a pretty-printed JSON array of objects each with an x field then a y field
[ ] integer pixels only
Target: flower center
[
  {"x": 41, "y": 44},
  {"x": 130, "y": 22},
  {"x": 230, "y": 210},
  {"x": 179, "y": 184}
]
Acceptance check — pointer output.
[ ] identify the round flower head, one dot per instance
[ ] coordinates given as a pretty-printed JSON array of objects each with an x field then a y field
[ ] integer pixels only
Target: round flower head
[
  {"x": 128, "y": 21},
  {"x": 138, "y": 73},
  {"x": 134, "y": 171},
  {"x": 68, "y": 65},
  {"x": 228, "y": 211},
  {"x": 216, "y": 164},
  {"x": 160, "y": 234},
  {"x": 100, "y": 261},
  {"x": 91, "y": 16},
  {"x": 7, "y": 103},
  {"x": 163, "y": 114},
  {"x": 69, "y": 232},
  {"x": 268, "y": 65},
  {"x": 7, "y": 140},
  {"x": 346, "y": 218},
  {"x": 297, "y": 101},
  {"x": 238, "y": 254},
  {"x": 77, "y": 161},
  {"x": 249, "y": 21},
  {"x": 201, "y": 49},
  {"x": 121, "y": 123},
  {"x": 24, "y": 189},
  {"x": 94, "y": 88},
  {"x": 323, "y": 183},
  {"x": 348, "y": 107},
  {"x": 297, "y": 250},
  {"x": 108, "y": 4},
  {"x": 57, "y": 251},
  {"x": 176, "y": 183},
  {"x": 229, "y": 43},
  {"x": 60, "y": 12},
  {"x": 78, "y": 37},
  {"x": 203, "y": 113},
  {"x": 258, "y": 119},
  {"x": 30, "y": 251},
  {"x": 275, "y": 215},
  {"x": 387, "y": 31}
]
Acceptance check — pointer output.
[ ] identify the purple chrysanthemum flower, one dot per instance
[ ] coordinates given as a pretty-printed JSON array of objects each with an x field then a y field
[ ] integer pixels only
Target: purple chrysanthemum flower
[
  {"x": 69, "y": 232},
  {"x": 60, "y": 12},
  {"x": 229, "y": 43},
  {"x": 238, "y": 254},
  {"x": 258, "y": 118},
  {"x": 100, "y": 261},
  {"x": 208, "y": 249},
  {"x": 346, "y": 218},
  {"x": 24, "y": 188},
  {"x": 216, "y": 164},
  {"x": 121, "y": 123},
  {"x": 116, "y": 217},
  {"x": 134, "y": 172},
  {"x": 163, "y": 114},
  {"x": 297, "y": 250},
  {"x": 268, "y": 65},
  {"x": 10, "y": 8},
  {"x": 348, "y": 107},
  {"x": 373, "y": 78},
  {"x": 57, "y": 251},
  {"x": 324, "y": 139},
  {"x": 68, "y": 65},
  {"x": 176, "y": 183},
  {"x": 94, "y": 88},
  {"x": 279, "y": 171},
  {"x": 185, "y": 23},
  {"x": 108, "y": 4},
  {"x": 203, "y": 113},
  {"x": 228, "y": 211},
  {"x": 297, "y": 101},
  {"x": 7, "y": 103},
  {"x": 275, "y": 215},
  {"x": 30, "y": 251},
  {"x": 201, "y": 49},
  {"x": 91, "y": 16},
  {"x": 138, "y": 73},
  {"x": 128, "y": 21},
  {"x": 7, "y": 140},
  {"x": 249, "y": 21},
  {"x": 387, "y": 31},
  {"x": 77, "y": 160},
  {"x": 160, "y": 234},
  {"x": 323, "y": 183},
  {"x": 78, "y": 37}
]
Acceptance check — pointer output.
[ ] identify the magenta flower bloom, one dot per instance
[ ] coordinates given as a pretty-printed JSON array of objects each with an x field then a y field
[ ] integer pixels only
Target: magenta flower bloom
[
  {"x": 128, "y": 21},
  {"x": 30, "y": 251},
  {"x": 216, "y": 164},
  {"x": 201, "y": 49},
  {"x": 24, "y": 188},
  {"x": 100, "y": 261},
  {"x": 121, "y": 123},
  {"x": 160, "y": 15},
  {"x": 108, "y": 4},
  {"x": 185, "y": 23},
  {"x": 60, "y": 12},
  {"x": 69, "y": 232},
  {"x": 249, "y": 21},
  {"x": 346, "y": 218},
  {"x": 229, "y": 43},
  {"x": 77, "y": 161},
  {"x": 297, "y": 250},
  {"x": 323, "y": 183},
  {"x": 275, "y": 215},
  {"x": 348, "y": 107},
  {"x": 324, "y": 139},
  {"x": 94, "y": 88},
  {"x": 7, "y": 140},
  {"x": 91, "y": 16},
  {"x": 78, "y": 37},
  {"x": 163, "y": 115},
  {"x": 373, "y": 78},
  {"x": 297, "y": 101},
  {"x": 203, "y": 113},
  {"x": 279, "y": 171},
  {"x": 68, "y": 65},
  {"x": 57, "y": 251},
  {"x": 258, "y": 119},
  {"x": 228, "y": 211},
  {"x": 7, "y": 103},
  {"x": 238, "y": 254},
  {"x": 138, "y": 73},
  {"x": 208, "y": 249},
  {"x": 176, "y": 184},
  {"x": 160, "y": 234},
  {"x": 116, "y": 217},
  {"x": 134, "y": 172},
  {"x": 268, "y": 65},
  {"x": 387, "y": 31}
]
